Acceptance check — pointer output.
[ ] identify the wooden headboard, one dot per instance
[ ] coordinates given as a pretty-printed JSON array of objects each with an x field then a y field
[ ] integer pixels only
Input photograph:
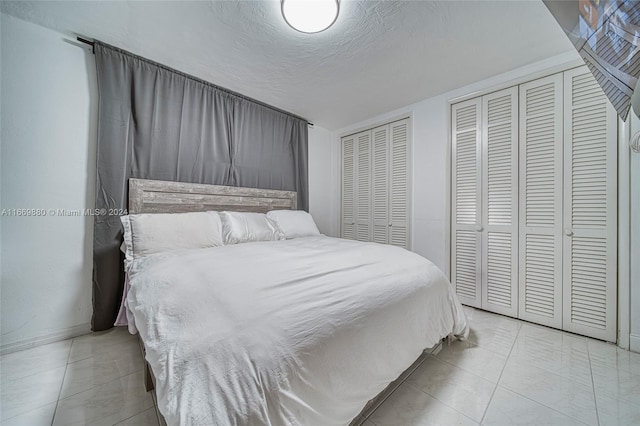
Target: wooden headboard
[{"x": 157, "y": 196}]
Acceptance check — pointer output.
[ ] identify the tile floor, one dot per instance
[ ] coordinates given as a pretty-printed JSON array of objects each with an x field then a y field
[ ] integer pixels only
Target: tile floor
[{"x": 508, "y": 373}]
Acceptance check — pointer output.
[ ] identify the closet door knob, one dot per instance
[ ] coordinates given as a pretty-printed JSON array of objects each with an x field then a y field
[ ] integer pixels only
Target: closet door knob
[
  {"x": 568, "y": 232},
  {"x": 479, "y": 228}
]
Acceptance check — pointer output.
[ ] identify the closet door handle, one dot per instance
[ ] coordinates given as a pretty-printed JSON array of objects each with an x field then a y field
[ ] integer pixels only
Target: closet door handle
[
  {"x": 568, "y": 232},
  {"x": 479, "y": 228}
]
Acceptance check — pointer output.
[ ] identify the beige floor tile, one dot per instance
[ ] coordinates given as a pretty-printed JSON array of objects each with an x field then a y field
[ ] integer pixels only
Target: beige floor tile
[
  {"x": 32, "y": 361},
  {"x": 568, "y": 363},
  {"x": 24, "y": 395},
  {"x": 107, "y": 404},
  {"x": 496, "y": 334},
  {"x": 42, "y": 416},
  {"x": 474, "y": 359},
  {"x": 146, "y": 418},
  {"x": 410, "y": 406},
  {"x": 547, "y": 339},
  {"x": 617, "y": 411},
  {"x": 617, "y": 384},
  {"x": 103, "y": 345},
  {"x": 88, "y": 373},
  {"x": 572, "y": 398},
  {"x": 510, "y": 409},
  {"x": 460, "y": 390},
  {"x": 607, "y": 354}
]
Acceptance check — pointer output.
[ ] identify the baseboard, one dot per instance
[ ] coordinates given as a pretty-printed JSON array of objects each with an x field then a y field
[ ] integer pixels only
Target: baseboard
[
  {"x": 56, "y": 336},
  {"x": 634, "y": 342}
]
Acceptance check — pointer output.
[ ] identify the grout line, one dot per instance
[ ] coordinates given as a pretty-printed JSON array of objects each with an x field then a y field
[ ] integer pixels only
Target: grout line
[
  {"x": 473, "y": 372},
  {"x": 593, "y": 385},
  {"x": 112, "y": 346},
  {"x": 31, "y": 374},
  {"x": 517, "y": 321},
  {"x": 474, "y": 343},
  {"x": 64, "y": 376},
  {"x": 96, "y": 386},
  {"x": 120, "y": 373},
  {"x": 136, "y": 414},
  {"x": 500, "y": 376},
  {"x": 93, "y": 386},
  {"x": 380, "y": 403},
  {"x": 551, "y": 329},
  {"x": 533, "y": 400},
  {"x": 103, "y": 384},
  {"x": 22, "y": 413},
  {"x": 508, "y": 356},
  {"x": 416, "y": 388},
  {"x": 100, "y": 385},
  {"x": 545, "y": 406}
]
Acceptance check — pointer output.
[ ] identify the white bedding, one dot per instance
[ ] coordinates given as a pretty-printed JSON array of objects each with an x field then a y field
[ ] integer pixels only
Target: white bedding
[{"x": 295, "y": 332}]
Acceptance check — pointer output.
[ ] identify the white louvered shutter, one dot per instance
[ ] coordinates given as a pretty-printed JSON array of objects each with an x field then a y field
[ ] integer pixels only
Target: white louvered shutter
[
  {"x": 380, "y": 191},
  {"x": 399, "y": 138},
  {"x": 348, "y": 228},
  {"x": 466, "y": 201},
  {"x": 540, "y": 213},
  {"x": 589, "y": 208},
  {"x": 500, "y": 202},
  {"x": 363, "y": 186}
]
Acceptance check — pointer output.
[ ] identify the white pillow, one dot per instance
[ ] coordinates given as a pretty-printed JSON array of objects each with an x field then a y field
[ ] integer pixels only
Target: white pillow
[
  {"x": 240, "y": 227},
  {"x": 147, "y": 233},
  {"x": 294, "y": 223}
]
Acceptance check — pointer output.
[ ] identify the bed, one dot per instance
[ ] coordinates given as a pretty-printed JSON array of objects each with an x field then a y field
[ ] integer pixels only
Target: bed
[{"x": 306, "y": 331}]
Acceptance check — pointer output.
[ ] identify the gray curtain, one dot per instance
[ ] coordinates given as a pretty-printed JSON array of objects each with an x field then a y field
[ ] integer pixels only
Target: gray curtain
[
  {"x": 260, "y": 160},
  {"x": 158, "y": 123}
]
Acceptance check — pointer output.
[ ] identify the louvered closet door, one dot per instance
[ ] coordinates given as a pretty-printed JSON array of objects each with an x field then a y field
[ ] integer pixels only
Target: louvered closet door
[
  {"x": 363, "y": 186},
  {"x": 399, "y": 137},
  {"x": 540, "y": 213},
  {"x": 466, "y": 201},
  {"x": 500, "y": 202},
  {"x": 589, "y": 208},
  {"x": 348, "y": 229},
  {"x": 380, "y": 182}
]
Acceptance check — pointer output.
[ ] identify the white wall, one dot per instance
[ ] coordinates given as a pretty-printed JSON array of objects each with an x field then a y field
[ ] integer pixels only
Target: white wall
[
  {"x": 431, "y": 155},
  {"x": 323, "y": 177},
  {"x": 48, "y": 162},
  {"x": 634, "y": 340}
]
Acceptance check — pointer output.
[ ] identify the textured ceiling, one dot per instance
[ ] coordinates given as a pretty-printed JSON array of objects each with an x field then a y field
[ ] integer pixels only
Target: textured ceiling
[{"x": 379, "y": 56}]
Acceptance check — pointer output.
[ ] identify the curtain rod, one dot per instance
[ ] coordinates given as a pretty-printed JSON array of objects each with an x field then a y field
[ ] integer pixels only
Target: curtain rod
[{"x": 93, "y": 47}]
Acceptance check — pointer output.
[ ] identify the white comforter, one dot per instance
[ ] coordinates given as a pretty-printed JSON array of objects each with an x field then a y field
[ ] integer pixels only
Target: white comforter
[{"x": 297, "y": 332}]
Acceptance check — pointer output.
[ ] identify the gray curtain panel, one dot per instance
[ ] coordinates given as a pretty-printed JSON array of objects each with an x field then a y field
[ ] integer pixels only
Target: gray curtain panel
[
  {"x": 266, "y": 149},
  {"x": 158, "y": 123}
]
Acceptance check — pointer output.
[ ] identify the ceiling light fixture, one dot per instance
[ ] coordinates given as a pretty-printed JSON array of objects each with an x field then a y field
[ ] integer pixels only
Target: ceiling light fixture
[{"x": 310, "y": 16}]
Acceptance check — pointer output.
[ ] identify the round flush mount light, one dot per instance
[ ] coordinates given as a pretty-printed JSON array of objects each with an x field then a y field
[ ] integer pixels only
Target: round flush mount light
[{"x": 310, "y": 16}]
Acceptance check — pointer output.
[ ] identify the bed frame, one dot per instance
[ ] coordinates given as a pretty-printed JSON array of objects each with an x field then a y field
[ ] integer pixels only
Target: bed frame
[{"x": 155, "y": 196}]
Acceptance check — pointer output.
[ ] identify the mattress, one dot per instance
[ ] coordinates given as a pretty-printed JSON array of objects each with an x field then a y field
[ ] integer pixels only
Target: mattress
[{"x": 295, "y": 332}]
